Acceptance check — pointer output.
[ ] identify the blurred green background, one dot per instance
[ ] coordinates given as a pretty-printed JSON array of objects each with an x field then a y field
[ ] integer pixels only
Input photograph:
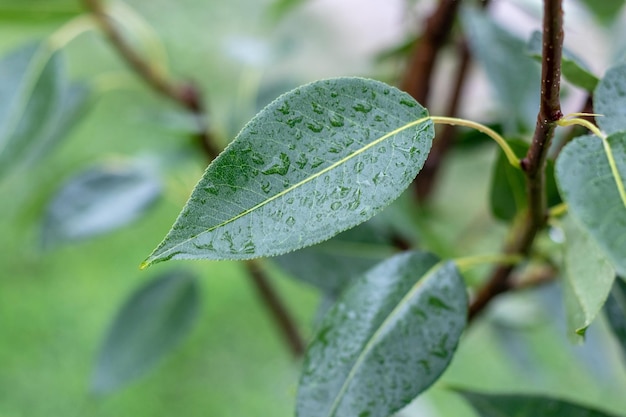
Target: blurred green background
[{"x": 56, "y": 304}]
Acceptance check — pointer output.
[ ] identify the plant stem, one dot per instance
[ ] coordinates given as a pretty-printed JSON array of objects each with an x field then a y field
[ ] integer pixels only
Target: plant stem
[
  {"x": 185, "y": 94},
  {"x": 276, "y": 308},
  {"x": 417, "y": 77},
  {"x": 523, "y": 234},
  {"x": 188, "y": 96}
]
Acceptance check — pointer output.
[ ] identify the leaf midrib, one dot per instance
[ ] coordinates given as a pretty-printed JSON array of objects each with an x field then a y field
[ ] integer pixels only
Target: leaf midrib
[
  {"x": 373, "y": 339},
  {"x": 294, "y": 187}
]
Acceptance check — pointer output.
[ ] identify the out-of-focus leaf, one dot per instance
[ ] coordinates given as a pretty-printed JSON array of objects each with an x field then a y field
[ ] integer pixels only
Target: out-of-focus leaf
[
  {"x": 514, "y": 75},
  {"x": 332, "y": 265},
  {"x": 493, "y": 405},
  {"x": 387, "y": 339},
  {"x": 38, "y": 11},
  {"x": 615, "y": 310},
  {"x": 149, "y": 324},
  {"x": 609, "y": 99},
  {"x": 606, "y": 10},
  {"x": 572, "y": 67},
  {"x": 588, "y": 277},
  {"x": 508, "y": 185},
  {"x": 39, "y": 105},
  {"x": 318, "y": 160},
  {"x": 508, "y": 193},
  {"x": 99, "y": 200},
  {"x": 279, "y": 8},
  {"x": 590, "y": 188},
  {"x": 400, "y": 51}
]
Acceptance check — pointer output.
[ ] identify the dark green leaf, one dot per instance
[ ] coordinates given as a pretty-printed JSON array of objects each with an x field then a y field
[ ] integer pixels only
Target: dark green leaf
[
  {"x": 38, "y": 11},
  {"x": 150, "y": 324},
  {"x": 605, "y": 10},
  {"x": 99, "y": 200},
  {"x": 609, "y": 99},
  {"x": 572, "y": 67},
  {"x": 492, "y": 405},
  {"x": 333, "y": 264},
  {"x": 588, "y": 277},
  {"x": 615, "y": 310},
  {"x": 39, "y": 106},
  {"x": 514, "y": 75},
  {"x": 590, "y": 189},
  {"x": 388, "y": 338},
  {"x": 508, "y": 185},
  {"x": 320, "y": 159}
]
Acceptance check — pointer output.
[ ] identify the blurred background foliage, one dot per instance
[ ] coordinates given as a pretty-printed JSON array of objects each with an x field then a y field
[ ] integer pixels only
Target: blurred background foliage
[{"x": 59, "y": 293}]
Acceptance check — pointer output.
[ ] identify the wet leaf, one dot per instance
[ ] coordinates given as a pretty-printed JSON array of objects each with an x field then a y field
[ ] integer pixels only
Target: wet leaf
[
  {"x": 493, "y": 405},
  {"x": 387, "y": 339},
  {"x": 320, "y": 159},
  {"x": 590, "y": 189},
  {"x": 615, "y": 310},
  {"x": 588, "y": 277},
  {"x": 39, "y": 107},
  {"x": 149, "y": 324},
  {"x": 514, "y": 75},
  {"x": 99, "y": 200},
  {"x": 332, "y": 265},
  {"x": 609, "y": 99},
  {"x": 572, "y": 67}
]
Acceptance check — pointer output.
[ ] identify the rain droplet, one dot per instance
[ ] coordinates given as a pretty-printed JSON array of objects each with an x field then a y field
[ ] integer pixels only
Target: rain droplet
[
  {"x": 266, "y": 187},
  {"x": 317, "y": 108},
  {"x": 284, "y": 109},
  {"x": 290, "y": 221},
  {"x": 358, "y": 167},
  {"x": 362, "y": 107},
  {"x": 302, "y": 161},
  {"x": 315, "y": 127},
  {"x": 378, "y": 178},
  {"x": 257, "y": 159},
  {"x": 279, "y": 165},
  {"x": 336, "y": 120},
  {"x": 335, "y": 206},
  {"x": 334, "y": 94},
  {"x": 212, "y": 189},
  {"x": 316, "y": 162},
  {"x": 294, "y": 121},
  {"x": 408, "y": 102}
]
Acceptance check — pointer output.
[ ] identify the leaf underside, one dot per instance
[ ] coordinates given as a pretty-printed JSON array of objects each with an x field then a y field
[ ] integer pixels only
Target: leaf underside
[
  {"x": 150, "y": 324},
  {"x": 590, "y": 189},
  {"x": 318, "y": 160},
  {"x": 387, "y": 339},
  {"x": 588, "y": 277},
  {"x": 609, "y": 100}
]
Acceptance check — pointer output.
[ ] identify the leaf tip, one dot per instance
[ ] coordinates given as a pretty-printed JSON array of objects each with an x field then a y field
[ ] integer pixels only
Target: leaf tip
[{"x": 145, "y": 264}]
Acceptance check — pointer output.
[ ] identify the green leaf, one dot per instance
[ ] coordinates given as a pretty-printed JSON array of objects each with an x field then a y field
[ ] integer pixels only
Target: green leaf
[
  {"x": 332, "y": 265},
  {"x": 590, "y": 188},
  {"x": 508, "y": 184},
  {"x": 588, "y": 277},
  {"x": 606, "y": 10},
  {"x": 609, "y": 99},
  {"x": 508, "y": 193},
  {"x": 514, "y": 75},
  {"x": 388, "y": 338},
  {"x": 517, "y": 405},
  {"x": 572, "y": 67},
  {"x": 150, "y": 324},
  {"x": 38, "y": 11},
  {"x": 615, "y": 310},
  {"x": 320, "y": 159},
  {"x": 98, "y": 200},
  {"x": 39, "y": 105}
]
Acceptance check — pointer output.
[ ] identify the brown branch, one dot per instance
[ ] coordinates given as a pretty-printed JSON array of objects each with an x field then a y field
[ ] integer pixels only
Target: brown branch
[
  {"x": 276, "y": 308},
  {"x": 188, "y": 96},
  {"x": 185, "y": 94},
  {"x": 523, "y": 235},
  {"x": 417, "y": 77},
  {"x": 425, "y": 181}
]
